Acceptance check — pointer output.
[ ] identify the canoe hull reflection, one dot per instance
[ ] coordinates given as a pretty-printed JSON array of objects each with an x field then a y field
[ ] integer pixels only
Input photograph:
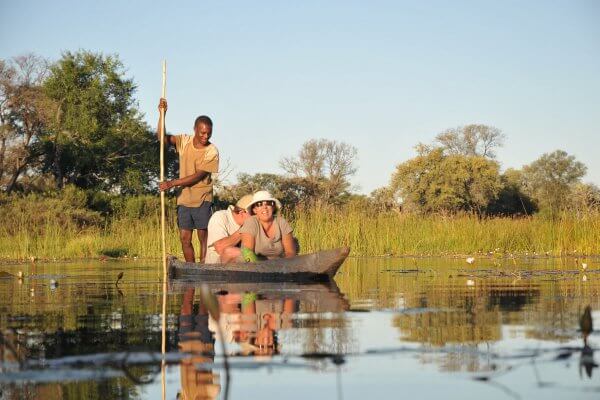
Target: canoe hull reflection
[{"x": 314, "y": 296}]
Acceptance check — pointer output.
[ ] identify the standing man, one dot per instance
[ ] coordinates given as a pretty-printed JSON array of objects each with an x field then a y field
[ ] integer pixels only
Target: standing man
[{"x": 198, "y": 160}]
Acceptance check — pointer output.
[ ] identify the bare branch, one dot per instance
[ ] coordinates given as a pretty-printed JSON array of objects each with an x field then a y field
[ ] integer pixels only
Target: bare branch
[
  {"x": 325, "y": 164},
  {"x": 472, "y": 140}
]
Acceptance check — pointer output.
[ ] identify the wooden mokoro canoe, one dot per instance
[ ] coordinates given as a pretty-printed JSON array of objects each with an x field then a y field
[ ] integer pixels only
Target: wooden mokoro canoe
[{"x": 320, "y": 266}]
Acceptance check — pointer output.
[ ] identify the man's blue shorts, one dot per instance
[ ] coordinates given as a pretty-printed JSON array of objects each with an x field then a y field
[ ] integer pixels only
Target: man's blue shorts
[{"x": 190, "y": 218}]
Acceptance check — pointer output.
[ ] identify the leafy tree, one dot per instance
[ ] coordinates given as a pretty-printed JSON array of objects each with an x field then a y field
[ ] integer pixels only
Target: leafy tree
[
  {"x": 289, "y": 190},
  {"x": 436, "y": 182},
  {"x": 323, "y": 164},
  {"x": 551, "y": 178},
  {"x": 23, "y": 115},
  {"x": 383, "y": 199},
  {"x": 471, "y": 140},
  {"x": 512, "y": 199},
  {"x": 98, "y": 137},
  {"x": 585, "y": 197}
]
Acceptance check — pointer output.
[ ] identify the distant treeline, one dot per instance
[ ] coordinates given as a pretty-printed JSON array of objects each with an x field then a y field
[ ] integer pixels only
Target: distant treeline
[{"x": 75, "y": 122}]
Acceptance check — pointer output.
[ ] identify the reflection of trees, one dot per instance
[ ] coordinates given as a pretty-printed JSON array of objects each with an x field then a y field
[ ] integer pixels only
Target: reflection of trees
[
  {"x": 79, "y": 318},
  {"x": 67, "y": 391},
  {"x": 81, "y": 341},
  {"x": 557, "y": 317},
  {"x": 437, "y": 307},
  {"x": 466, "y": 318},
  {"x": 441, "y": 328},
  {"x": 13, "y": 348},
  {"x": 476, "y": 314},
  {"x": 549, "y": 305},
  {"x": 32, "y": 304},
  {"x": 322, "y": 334}
]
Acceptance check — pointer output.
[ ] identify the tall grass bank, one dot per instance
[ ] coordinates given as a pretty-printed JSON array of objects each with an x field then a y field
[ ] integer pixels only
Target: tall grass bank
[
  {"x": 65, "y": 227},
  {"x": 393, "y": 233}
]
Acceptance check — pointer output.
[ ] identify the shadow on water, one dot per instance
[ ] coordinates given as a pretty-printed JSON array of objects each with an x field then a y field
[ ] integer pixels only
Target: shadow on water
[{"x": 94, "y": 331}]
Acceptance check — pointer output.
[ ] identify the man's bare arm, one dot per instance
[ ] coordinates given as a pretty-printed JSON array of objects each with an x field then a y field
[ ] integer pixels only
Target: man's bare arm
[
  {"x": 162, "y": 105},
  {"x": 189, "y": 180},
  {"x": 229, "y": 241}
]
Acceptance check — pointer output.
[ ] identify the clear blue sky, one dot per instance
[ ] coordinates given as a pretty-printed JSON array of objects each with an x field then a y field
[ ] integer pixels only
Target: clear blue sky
[{"x": 380, "y": 75}]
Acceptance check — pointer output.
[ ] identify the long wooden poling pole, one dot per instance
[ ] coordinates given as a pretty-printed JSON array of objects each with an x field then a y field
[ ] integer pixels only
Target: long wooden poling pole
[
  {"x": 163, "y": 235},
  {"x": 162, "y": 170}
]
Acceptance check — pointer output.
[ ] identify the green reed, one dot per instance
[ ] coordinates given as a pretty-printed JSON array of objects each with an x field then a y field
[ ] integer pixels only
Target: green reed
[
  {"x": 368, "y": 233},
  {"x": 118, "y": 237}
]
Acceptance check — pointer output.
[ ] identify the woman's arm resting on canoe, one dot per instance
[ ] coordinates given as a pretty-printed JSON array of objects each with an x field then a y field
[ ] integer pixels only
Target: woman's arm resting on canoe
[
  {"x": 248, "y": 241},
  {"x": 168, "y": 138},
  {"x": 289, "y": 246}
]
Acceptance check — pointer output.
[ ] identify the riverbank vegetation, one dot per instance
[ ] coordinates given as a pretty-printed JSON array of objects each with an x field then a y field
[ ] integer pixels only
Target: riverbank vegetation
[
  {"x": 64, "y": 226},
  {"x": 79, "y": 171}
]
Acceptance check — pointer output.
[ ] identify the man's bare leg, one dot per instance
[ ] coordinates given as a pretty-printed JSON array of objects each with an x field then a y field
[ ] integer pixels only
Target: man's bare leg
[
  {"x": 186, "y": 245},
  {"x": 202, "y": 237}
]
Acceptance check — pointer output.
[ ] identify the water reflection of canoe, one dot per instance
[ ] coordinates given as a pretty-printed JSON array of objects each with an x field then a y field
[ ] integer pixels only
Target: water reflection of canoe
[
  {"x": 320, "y": 266},
  {"x": 311, "y": 296}
]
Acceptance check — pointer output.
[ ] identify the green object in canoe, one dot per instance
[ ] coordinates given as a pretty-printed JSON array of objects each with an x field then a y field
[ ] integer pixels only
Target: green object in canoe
[{"x": 248, "y": 255}]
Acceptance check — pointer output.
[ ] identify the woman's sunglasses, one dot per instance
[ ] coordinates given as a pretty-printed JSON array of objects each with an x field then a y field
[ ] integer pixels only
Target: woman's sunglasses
[{"x": 264, "y": 203}]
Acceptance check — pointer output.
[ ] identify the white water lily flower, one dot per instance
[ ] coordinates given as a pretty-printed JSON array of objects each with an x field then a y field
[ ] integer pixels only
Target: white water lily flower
[
  {"x": 583, "y": 265},
  {"x": 470, "y": 260},
  {"x": 470, "y": 282}
]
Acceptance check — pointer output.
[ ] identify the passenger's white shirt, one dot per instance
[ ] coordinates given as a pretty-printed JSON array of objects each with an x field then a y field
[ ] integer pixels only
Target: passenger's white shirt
[{"x": 221, "y": 225}]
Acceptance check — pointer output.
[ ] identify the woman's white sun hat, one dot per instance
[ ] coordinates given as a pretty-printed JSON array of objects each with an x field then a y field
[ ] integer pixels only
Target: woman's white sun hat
[{"x": 262, "y": 195}]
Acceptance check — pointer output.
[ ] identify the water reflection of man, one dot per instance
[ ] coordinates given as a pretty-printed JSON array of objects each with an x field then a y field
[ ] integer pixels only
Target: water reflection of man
[{"x": 196, "y": 339}]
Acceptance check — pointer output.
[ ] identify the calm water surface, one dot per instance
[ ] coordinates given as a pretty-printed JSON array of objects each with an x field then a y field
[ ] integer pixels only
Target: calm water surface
[{"x": 387, "y": 327}]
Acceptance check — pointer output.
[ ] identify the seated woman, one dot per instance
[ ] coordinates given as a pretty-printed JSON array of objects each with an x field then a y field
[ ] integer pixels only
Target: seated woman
[{"x": 267, "y": 234}]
